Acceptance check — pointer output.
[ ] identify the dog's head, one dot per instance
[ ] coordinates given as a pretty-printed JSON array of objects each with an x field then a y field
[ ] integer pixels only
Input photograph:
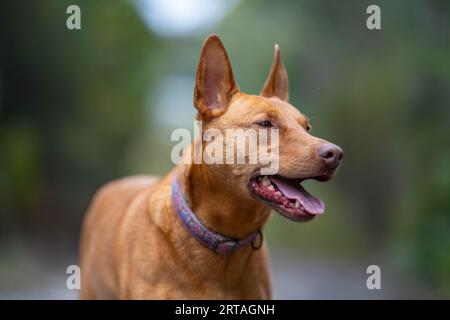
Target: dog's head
[{"x": 298, "y": 155}]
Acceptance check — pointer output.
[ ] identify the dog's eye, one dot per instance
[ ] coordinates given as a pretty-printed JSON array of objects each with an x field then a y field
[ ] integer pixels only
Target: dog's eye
[
  {"x": 265, "y": 124},
  {"x": 308, "y": 127}
]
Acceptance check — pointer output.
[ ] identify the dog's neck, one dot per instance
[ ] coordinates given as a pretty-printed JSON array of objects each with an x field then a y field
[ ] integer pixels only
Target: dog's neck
[{"x": 219, "y": 207}]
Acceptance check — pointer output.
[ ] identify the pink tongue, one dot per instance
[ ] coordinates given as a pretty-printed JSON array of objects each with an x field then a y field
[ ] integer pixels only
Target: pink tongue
[{"x": 310, "y": 204}]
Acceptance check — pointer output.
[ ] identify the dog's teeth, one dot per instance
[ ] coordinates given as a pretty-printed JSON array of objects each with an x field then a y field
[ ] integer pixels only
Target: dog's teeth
[
  {"x": 297, "y": 204},
  {"x": 266, "y": 181},
  {"x": 271, "y": 188},
  {"x": 278, "y": 193},
  {"x": 260, "y": 179}
]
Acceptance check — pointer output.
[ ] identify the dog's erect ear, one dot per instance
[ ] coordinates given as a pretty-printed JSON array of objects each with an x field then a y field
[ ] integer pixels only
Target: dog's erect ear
[
  {"x": 277, "y": 82},
  {"x": 214, "y": 83}
]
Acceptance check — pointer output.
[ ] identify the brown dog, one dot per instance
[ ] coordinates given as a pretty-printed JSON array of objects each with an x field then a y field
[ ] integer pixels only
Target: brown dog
[{"x": 135, "y": 242}]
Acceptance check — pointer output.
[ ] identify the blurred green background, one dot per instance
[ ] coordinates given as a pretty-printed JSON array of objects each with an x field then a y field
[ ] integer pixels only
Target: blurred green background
[{"x": 79, "y": 108}]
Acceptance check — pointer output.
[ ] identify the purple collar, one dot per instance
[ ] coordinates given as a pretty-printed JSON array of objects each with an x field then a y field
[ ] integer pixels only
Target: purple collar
[{"x": 213, "y": 240}]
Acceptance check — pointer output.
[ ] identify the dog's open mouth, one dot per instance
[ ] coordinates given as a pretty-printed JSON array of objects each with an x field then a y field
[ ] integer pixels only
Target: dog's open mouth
[{"x": 287, "y": 196}]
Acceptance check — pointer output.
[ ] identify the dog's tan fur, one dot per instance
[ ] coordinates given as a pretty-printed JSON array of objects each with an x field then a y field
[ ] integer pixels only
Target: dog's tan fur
[{"x": 134, "y": 245}]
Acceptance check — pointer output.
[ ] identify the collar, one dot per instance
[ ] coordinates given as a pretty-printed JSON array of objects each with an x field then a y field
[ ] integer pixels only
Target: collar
[{"x": 213, "y": 240}]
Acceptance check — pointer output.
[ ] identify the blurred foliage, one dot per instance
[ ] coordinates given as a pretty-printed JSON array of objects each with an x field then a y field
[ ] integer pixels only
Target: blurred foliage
[
  {"x": 77, "y": 108},
  {"x": 70, "y": 104}
]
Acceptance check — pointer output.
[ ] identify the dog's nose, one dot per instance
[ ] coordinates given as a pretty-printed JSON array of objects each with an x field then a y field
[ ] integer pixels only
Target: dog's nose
[{"x": 331, "y": 154}]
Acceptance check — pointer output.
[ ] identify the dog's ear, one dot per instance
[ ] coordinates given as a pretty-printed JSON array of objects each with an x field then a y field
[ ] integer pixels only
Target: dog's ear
[
  {"x": 214, "y": 83},
  {"x": 277, "y": 81}
]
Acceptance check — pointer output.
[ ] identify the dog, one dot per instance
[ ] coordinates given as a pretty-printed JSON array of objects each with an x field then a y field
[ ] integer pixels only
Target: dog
[{"x": 196, "y": 233}]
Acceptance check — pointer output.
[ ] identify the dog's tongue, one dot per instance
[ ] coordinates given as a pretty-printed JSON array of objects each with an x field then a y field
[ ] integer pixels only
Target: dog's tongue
[{"x": 310, "y": 204}]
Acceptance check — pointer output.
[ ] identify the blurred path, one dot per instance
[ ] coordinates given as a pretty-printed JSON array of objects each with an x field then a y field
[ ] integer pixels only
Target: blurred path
[{"x": 308, "y": 278}]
